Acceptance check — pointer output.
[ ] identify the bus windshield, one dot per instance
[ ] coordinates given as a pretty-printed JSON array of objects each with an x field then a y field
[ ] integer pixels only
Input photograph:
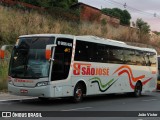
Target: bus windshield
[
  {"x": 158, "y": 68},
  {"x": 28, "y": 58},
  {"x": 159, "y": 64}
]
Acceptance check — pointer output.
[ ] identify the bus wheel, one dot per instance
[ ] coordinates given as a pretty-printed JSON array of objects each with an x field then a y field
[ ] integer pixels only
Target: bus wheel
[
  {"x": 138, "y": 89},
  {"x": 78, "y": 93}
]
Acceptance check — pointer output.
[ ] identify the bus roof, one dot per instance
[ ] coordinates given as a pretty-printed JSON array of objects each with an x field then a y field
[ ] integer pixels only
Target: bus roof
[
  {"x": 98, "y": 39},
  {"x": 48, "y": 35},
  {"x": 91, "y": 38},
  {"x": 112, "y": 42}
]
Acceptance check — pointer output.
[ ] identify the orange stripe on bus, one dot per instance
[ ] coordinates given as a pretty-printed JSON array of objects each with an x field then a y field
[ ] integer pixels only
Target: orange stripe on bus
[{"x": 134, "y": 79}]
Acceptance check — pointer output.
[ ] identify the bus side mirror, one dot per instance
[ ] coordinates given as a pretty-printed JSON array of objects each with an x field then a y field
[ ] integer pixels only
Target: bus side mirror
[
  {"x": 1, "y": 54},
  {"x": 2, "y": 51},
  {"x": 49, "y": 51}
]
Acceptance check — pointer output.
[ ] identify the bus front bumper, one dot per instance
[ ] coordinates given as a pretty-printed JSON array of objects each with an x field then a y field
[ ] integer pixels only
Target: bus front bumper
[{"x": 43, "y": 91}]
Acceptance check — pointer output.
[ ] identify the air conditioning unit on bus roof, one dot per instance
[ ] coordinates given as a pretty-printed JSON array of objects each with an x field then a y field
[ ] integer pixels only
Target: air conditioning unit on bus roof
[
  {"x": 120, "y": 42},
  {"x": 99, "y": 38}
]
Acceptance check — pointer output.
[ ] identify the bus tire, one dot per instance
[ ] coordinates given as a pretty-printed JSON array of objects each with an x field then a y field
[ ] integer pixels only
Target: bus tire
[
  {"x": 78, "y": 93},
  {"x": 138, "y": 89}
]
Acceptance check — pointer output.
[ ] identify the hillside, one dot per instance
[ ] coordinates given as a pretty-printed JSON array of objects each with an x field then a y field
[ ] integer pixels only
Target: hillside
[{"x": 15, "y": 22}]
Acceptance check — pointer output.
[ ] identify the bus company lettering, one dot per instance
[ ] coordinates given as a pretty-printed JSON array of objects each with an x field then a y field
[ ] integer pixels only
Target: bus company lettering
[
  {"x": 64, "y": 43},
  {"x": 21, "y": 80},
  {"x": 87, "y": 69}
]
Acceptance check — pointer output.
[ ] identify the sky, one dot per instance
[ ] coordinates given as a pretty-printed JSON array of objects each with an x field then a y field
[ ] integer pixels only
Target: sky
[{"x": 148, "y": 10}]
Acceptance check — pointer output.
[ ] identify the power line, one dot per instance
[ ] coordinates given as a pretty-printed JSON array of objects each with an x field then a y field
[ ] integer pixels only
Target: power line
[
  {"x": 120, "y": 4},
  {"x": 133, "y": 9}
]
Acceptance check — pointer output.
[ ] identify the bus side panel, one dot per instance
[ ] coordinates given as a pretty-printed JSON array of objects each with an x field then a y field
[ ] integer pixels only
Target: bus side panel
[
  {"x": 120, "y": 78},
  {"x": 152, "y": 77},
  {"x": 62, "y": 88}
]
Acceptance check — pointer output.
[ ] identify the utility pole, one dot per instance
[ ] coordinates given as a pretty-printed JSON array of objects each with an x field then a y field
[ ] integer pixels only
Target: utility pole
[{"x": 125, "y": 5}]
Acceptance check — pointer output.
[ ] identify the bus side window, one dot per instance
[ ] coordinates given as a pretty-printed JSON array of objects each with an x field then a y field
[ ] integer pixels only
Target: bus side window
[
  {"x": 91, "y": 55},
  {"x": 102, "y": 53},
  {"x": 140, "y": 56},
  {"x": 148, "y": 62},
  {"x": 116, "y": 55},
  {"x": 84, "y": 51},
  {"x": 152, "y": 59},
  {"x": 80, "y": 54},
  {"x": 130, "y": 57},
  {"x": 134, "y": 57}
]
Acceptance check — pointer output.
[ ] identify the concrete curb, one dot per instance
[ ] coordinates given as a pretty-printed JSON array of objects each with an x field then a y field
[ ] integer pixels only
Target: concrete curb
[
  {"x": 6, "y": 97},
  {"x": 16, "y": 100}
]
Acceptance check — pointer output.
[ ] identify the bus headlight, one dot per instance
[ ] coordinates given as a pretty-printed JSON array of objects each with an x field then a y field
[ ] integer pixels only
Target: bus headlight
[
  {"x": 42, "y": 84},
  {"x": 10, "y": 82}
]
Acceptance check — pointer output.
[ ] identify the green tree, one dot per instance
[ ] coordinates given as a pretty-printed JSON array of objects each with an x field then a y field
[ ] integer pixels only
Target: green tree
[
  {"x": 143, "y": 26},
  {"x": 43, "y": 3},
  {"x": 126, "y": 17},
  {"x": 144, "y": 29},
  {"x": 64, "y": 3},
  {"x": 33, "y": 2},
  {"x": 110, "y": 12},
  {"x": 51, "y": 3},
  {"x": 123, "y": 15}
]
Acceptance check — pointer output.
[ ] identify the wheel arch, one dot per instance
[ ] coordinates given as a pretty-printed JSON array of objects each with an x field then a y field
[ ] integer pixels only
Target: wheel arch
[
  {"x": 139, "y": 81},
  {"x": 84, "y": 85},
  {"x": 138, "y": 89}
]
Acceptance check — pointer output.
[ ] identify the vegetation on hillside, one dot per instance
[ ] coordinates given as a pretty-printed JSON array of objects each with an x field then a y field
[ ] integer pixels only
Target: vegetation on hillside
[
  {"x": 143, "y": 26},
  {"x": 123, "y": 15},
  {"x": 157, "y": 33},
  {"x": 51, "y": 3},
  {"x": 14, "y": 22},
  {"x": 3, "y": 74}
]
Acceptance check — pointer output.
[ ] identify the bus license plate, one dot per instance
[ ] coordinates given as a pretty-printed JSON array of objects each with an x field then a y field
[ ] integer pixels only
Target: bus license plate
[{"x": 23, "y": 91}]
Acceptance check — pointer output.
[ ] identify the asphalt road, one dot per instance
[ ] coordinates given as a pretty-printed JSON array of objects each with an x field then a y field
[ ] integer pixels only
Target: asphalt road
[{"x": 111, "y": 107}]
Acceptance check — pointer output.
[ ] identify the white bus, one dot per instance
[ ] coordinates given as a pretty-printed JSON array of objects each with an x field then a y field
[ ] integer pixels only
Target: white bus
[
  {"x": 158, "y": 75},
  {"x": 58, "y": 65}
]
